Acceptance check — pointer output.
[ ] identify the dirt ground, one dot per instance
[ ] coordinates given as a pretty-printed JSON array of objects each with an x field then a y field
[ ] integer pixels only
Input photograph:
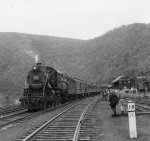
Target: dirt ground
[
  {"x": 105, "y": 127},
  {"x": 108, "y": 128}
]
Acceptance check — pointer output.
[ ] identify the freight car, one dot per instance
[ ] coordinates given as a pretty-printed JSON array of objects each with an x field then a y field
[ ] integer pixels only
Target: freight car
[{"x": 46, "y": 87}]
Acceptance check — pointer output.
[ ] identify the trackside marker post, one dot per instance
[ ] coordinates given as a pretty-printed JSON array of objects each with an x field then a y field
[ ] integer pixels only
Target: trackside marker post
[{"x": 132, "y": 119}]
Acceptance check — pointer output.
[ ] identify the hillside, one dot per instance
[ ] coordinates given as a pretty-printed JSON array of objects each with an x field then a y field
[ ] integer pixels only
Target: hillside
[
  {"x": 17, "y": 52},
  {"x": 124, "y": 50}
]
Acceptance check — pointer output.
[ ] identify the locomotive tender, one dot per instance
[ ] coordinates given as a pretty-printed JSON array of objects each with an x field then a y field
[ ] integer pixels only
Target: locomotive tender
[{"x": 46, "y": 87}]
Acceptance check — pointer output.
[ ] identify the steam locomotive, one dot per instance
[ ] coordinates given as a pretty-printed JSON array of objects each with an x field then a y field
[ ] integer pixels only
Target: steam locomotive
[{"x": 46, "y": 87}]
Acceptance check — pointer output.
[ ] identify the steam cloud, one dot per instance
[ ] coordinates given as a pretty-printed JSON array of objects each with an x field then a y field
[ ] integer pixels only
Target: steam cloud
[{"x": 32, "y": 54}]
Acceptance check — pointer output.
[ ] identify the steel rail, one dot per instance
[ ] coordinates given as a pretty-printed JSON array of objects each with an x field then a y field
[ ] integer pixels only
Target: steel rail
[
  {"x": 15, "y": 120},
  {"x": 143, "y": 106},
  {"x": 12, "y": 114},
  {"x": 9, "y": 110},
  {"x": 33, "y": 114},
  {"x": 76, "y": 134},
  {"x": 30, "y": 136}
]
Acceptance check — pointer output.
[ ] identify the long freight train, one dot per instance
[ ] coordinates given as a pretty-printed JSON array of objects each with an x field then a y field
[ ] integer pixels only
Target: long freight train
[{"x": 46, "y": 87}]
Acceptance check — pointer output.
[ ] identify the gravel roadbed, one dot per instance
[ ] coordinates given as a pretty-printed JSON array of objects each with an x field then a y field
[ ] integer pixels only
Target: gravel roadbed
[
  {"x": 108, "y": 128},
  {"x": 105, "y": 127},
  {"x": 15, "y": 131}
]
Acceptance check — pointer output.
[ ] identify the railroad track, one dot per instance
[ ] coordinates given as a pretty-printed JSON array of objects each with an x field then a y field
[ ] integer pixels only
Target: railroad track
[
  {"x": 142, "y": 106},
  {"x": 72, "y": 124},
  {"x": 9, "y": 115},
  {"x": 13, "y": 118},
  {"x": 9, "y": 119},
  {"x": 6, "y": 110},
  {"x": 20, "y": 116}
]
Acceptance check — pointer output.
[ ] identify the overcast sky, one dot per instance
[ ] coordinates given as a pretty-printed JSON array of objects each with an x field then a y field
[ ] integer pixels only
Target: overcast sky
[{"x": 82, "y": 19}]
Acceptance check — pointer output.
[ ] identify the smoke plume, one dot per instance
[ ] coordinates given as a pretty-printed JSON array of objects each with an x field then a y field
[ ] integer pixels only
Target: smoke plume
[{"x": 33, "y": 55}]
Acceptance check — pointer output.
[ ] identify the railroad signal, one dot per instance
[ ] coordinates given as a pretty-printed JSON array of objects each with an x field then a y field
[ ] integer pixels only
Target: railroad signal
[{"x": 132, "y": 119}]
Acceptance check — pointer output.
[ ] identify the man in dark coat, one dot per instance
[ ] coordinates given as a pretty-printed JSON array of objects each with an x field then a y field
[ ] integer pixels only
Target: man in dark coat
[{"x": 113, "y": 99}]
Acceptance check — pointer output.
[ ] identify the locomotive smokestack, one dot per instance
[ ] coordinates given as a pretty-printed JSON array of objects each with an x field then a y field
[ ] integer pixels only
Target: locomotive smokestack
[
  {"x": 38, "y": 63},
  {"x": 36, "y": 58}
]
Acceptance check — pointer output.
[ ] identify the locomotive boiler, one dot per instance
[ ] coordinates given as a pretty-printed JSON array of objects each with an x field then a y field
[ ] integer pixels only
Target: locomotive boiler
[{"x": 45, "y": 87}]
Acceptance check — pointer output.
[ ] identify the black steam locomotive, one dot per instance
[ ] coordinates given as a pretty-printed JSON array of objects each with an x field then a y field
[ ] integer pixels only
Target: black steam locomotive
[{"x": 46, "y": 87}]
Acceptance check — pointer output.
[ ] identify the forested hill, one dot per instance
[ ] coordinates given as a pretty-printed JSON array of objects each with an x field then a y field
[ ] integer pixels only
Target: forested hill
[
  {"x": 17, "y": 52},
  {"x": 124, "y": 50}
]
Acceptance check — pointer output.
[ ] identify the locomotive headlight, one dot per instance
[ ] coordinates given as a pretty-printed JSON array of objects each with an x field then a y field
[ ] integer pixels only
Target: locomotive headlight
[
  {"x": 34, "y": 68},
  {"x": 35, "y": 78}
]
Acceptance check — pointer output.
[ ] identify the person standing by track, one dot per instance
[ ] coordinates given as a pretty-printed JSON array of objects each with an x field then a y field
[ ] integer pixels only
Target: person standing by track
[
  {"x": 113, "y": 99},
  {"x": 122, "y": 96}
]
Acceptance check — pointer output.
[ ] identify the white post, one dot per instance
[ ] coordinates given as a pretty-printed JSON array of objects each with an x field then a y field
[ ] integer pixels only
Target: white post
[{"x": 132, "y": 119}]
